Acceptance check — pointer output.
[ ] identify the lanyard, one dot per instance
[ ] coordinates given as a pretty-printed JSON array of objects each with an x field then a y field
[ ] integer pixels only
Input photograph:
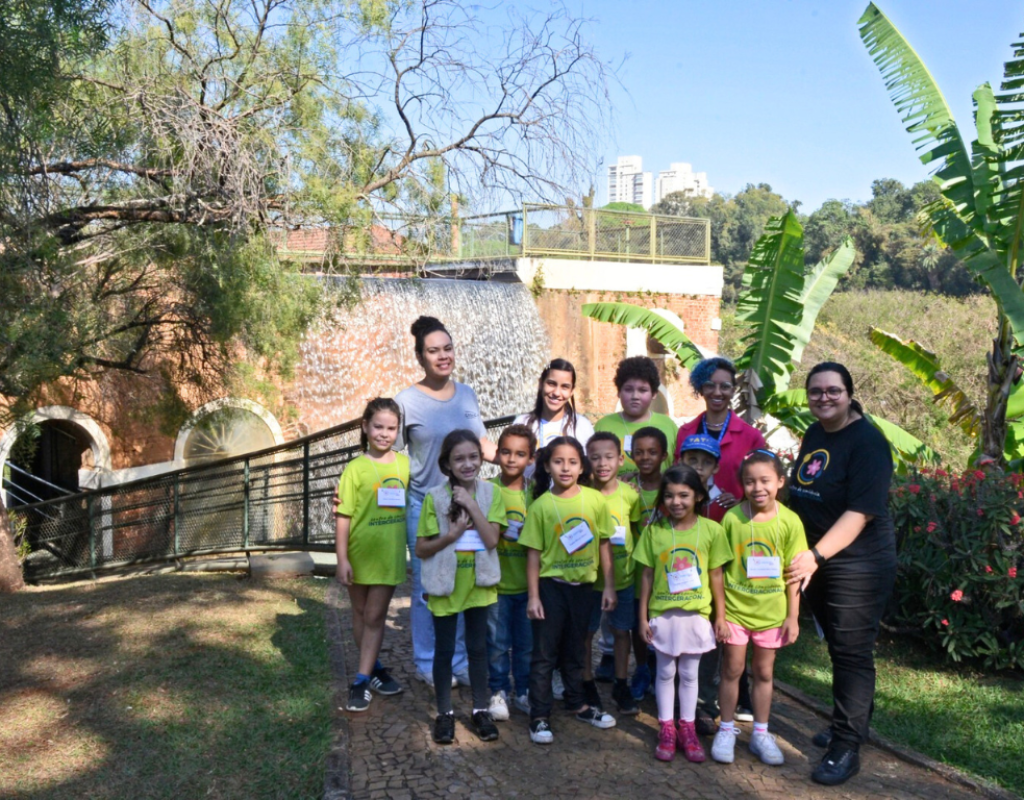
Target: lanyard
[
  {"x": 583, "y": 510},
  {"x": 721, "y": 433},
  {"x": 380, "y": 480},
  {"x": 647, "y": 509},
  {"x": 696, "y": 548},
  {"x": 750, "y": 517}
]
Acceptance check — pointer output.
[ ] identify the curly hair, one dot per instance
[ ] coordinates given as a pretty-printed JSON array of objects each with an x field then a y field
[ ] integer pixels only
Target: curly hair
[
  {"x": 639, "y": 367},
  {"x": 702, "y": 373}
]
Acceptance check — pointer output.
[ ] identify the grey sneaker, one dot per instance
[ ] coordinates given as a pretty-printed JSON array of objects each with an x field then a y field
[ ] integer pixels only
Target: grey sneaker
[
  {"x": 723, "y": 748},
  {"x": 522, "y": 703},
  {"x": 763, "y": 746},
  {"x": 499, "y": 706}
]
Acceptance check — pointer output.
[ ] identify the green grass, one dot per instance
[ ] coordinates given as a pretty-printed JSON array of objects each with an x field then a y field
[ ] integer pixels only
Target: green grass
[
  {"x": 953, "y": 714},
  {"x": 165, "y": 687}
]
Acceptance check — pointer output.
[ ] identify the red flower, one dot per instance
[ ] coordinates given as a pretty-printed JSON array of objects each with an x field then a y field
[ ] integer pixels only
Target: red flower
[
  {"x": 1012, "y": 572},
  {"x": 956, "y": 596},
  {"x": 988, "y": 569},
  {"x": 979, "y": 474},
  {"x": 941, "y": 473},
  {"x": 1014, "y": 518},
  {"x": 945, "y": 622},
  {"x": 917, "y": 529},
  {"x": 925, "y": 470},
  {"x": 914, "y": 488},
  {"x": 981, "y": 512},
  {"x": 931, "y": 527}
]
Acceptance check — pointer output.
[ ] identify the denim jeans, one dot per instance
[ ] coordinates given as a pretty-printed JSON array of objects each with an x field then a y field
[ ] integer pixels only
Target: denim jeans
[
  {"x": 421, "y": 622},
  {"x": 509, "y": 630},
  {"x": 848, "y": 605}
]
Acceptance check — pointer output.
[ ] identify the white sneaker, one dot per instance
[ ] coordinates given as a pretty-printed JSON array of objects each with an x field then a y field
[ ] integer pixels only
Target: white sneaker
[
  {"x": 522, "y": 703},
  {"x": 499, "y": 706},
  {"x": 763, "y": 746},
  {"x": 540, "y": 732},
  {"x": 723, "y": 748},
  {"x": 424, "y": 677},
  {"x": 557, "y": 687}
]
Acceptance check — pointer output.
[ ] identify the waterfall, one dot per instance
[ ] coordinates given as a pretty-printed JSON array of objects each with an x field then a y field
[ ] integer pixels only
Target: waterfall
[{"x": 353, "y": 355}]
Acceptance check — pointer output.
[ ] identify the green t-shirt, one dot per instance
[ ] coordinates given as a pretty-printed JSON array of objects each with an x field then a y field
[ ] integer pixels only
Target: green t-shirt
[
  {"x": 647, "y": 505},
  {"x": 664, "y": 549},
  {"x": 376, "y": 536},
  {"x": 550, "y": 517},
  {"x": 466, "y": 593},
  {"x": 759, "y": 604},
  {"x": 624, "y": 510},
  {"x": 511, "y": 554},
  {"x": 617, "y": 425}
]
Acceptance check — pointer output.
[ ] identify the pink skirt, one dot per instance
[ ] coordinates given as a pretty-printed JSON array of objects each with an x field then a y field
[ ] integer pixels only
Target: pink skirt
[{"x": 678, "y": 632}]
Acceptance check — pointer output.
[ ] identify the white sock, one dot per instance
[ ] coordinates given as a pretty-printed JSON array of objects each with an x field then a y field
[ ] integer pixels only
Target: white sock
[
  {"x": 727, "y": 726},
  {"x": 760, "y": 727},
  {"x": 485, "y": 710}
]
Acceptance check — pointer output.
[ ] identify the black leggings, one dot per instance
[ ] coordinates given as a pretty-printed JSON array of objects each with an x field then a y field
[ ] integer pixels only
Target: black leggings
[{"x": 476, "y": 649}]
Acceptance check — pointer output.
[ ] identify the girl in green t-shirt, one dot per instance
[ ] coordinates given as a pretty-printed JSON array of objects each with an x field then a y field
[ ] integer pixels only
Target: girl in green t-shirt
[
  {"x": 682, "y": 556},
  {"x": 759, "y": 606},
  {"x": 460, "y": 573},
  {"x": 370, "y": 543}
]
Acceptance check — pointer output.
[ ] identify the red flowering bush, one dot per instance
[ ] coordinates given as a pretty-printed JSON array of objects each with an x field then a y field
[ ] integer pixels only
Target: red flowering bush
[{"x": 960, "y": 543}]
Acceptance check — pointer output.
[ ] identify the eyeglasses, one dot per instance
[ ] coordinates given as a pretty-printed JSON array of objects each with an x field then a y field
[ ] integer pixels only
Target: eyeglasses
[
  {"x": 710, "y": 386},
  {"x": 832, "y": 392}
]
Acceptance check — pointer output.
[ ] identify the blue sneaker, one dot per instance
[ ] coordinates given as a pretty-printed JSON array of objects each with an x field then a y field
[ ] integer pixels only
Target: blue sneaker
[{"x": 640, "y": 683}]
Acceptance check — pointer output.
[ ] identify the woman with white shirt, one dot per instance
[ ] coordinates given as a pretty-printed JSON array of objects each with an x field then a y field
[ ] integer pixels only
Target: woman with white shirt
[{"x": 554, "y": 412}]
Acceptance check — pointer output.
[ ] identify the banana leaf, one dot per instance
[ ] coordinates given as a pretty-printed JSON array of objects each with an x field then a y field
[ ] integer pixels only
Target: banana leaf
[
  {"x": 790, "y": 409},
  {"x": 819, "y": 284},
  {"x": 924, "y": 364},
  {"x": 907, "y": 449},
  {"x": 667, "y": 334}
]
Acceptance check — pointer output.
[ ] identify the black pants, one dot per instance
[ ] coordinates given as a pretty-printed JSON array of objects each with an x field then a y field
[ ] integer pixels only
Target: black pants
[
  {"x": 848, "y": 605},
  {"x": 558, "y": 642},
  {"x": 476, "y": 650}
]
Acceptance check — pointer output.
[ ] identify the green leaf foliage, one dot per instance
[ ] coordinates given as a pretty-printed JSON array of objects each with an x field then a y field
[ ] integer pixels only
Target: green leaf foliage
[
  {"x": 667, "y": 334},
  {"x": 907, "y": 449}
]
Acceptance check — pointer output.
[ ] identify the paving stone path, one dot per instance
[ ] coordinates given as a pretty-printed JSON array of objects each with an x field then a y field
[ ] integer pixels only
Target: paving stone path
[{"x": 392, "y": 757}]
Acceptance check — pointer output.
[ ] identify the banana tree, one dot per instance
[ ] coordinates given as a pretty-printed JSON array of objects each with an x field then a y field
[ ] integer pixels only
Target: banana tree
[
  {"x": 778, "y": 305},
  {"x": 980, "y": 213}
]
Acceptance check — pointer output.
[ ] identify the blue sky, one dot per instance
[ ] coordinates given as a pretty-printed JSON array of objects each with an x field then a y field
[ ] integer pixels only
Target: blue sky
[{"x": 784, "y": 92}]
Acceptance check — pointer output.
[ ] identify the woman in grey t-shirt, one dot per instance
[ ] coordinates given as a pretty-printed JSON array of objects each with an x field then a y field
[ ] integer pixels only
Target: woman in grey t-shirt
[{"x": 431, "y": 409}]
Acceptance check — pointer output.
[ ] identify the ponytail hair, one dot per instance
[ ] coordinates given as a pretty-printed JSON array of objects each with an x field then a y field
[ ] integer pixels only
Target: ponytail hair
[
  {"x": 373, "y": 407},
  {"x": 843, "y": 373},
  {"x": 454, "y": 438},
  {"x": 541, "y": 474}
]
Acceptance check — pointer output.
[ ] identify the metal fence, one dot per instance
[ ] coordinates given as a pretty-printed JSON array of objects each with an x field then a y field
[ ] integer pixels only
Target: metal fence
[{"x": 275, "y": 499}]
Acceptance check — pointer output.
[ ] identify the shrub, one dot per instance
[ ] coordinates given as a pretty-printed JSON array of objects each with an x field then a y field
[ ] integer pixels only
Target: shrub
[{"x": 960, "y": 543}]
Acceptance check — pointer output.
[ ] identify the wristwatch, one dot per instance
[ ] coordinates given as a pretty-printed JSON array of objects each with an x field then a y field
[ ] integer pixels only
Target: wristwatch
[{"x": 819, "y": 559}]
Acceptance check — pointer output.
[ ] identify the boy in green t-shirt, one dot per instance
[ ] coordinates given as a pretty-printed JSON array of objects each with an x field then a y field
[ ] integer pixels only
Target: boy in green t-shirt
[
  {"x": 509, "y": 635},
  {"x": 637, "y": 382}
]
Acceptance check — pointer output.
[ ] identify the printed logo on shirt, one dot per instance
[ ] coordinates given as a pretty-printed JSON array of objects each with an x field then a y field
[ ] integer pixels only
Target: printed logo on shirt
[
  {"x": 680, "y": 558},
  {"x": 392, "y": 483},
  {"x": 812, "y": 467}
]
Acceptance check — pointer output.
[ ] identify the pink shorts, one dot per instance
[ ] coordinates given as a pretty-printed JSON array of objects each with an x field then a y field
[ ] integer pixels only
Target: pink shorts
[{"x": 770, "y": 639}]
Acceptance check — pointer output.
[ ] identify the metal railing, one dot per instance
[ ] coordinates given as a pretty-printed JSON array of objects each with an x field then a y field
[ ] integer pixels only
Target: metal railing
[
  {"x": 274, "y": 499},
  {"x": 403, "y": 242}
]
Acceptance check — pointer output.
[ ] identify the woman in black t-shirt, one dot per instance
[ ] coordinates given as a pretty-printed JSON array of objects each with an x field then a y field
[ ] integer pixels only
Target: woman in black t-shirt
[{"x": 840, "y": 490}]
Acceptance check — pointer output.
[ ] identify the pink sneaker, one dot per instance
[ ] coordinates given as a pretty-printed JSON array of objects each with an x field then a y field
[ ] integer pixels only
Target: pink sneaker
[
  {"x": 688, "y": 742},
  {"x": 666, "y": 749}
]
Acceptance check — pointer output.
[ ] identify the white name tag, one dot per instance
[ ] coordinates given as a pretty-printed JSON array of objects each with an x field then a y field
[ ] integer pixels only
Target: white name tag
[
  {"x": 391, "y": 498},
  {"x": 577, "y": 538},
  {"x": 470, "y": 542},
  {"x": 627, "y": 443},
  {"x": 764, "y": 567},
  {"x": 619, "y": 537},
  {"x": 683, "y": 580},
  {"x": 512, "y": 531}
]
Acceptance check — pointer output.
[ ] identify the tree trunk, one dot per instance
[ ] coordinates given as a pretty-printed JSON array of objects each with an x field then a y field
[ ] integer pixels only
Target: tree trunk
[
  {"x": 1002, "y": 369},
  {"x": 11, "y": 579}
]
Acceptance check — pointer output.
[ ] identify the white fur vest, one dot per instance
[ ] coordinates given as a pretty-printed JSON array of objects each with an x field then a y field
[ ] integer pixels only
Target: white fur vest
[{"x": 438, "y": 571}]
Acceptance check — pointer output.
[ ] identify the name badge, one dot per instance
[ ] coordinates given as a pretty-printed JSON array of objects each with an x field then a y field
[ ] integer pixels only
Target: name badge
[
  {"x": 764, "y": 567},
  {"x": 470, "y": 542},
  {"x": 619, "y": 537},
  {"x": 627, "y": 443},
  {"x": 391, "y": 498},
  {"x": 683, "y": 580},
  {"x": 512, "y": 531},
  {"x": 577, "y": 538}
]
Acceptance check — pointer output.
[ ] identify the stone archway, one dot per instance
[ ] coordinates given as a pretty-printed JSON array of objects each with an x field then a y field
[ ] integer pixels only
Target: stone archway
[{"x": 226, "y": 427}]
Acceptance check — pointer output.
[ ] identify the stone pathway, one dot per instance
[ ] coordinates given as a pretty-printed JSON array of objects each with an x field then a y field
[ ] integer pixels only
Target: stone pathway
[{"x": 392, "y": 757}]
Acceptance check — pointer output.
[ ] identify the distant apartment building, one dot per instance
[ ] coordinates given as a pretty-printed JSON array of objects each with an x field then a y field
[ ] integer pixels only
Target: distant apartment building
[
  {"x": 680, "y": 177},
  {"x": 628, "y": 183}
]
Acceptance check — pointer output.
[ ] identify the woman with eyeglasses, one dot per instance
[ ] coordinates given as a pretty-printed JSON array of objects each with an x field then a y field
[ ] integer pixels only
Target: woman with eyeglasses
[
  {"x": 840, "y": 490},
  {"x": 714, "y": 379}
]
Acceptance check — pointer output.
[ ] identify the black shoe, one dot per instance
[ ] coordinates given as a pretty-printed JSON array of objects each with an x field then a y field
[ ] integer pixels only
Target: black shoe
[
  {"x": 705, "y": 724},
  {"x": 840, "y": 764},
  {"x": 590, "y": 694},
  {"x": 484, "y": 726},
  {"x": 444, "y": 729},
  {"x": 382, "y": 683},
  {"x": 624, "y": 698},
  {"x": 605, "y": 672},
  {"x": 358, "y": 697},
  {"x": 822, "y": 738}
]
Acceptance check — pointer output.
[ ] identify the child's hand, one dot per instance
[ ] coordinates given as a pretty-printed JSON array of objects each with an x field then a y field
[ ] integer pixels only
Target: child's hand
[
  {"x": 609, "y": 599},
  {"x": 790, "y": 630},
  {"x": 722, "y": 630},
  {"x": 458, "y": 526},
  {"x": 645, "y": 631},
  {"x": 534, "y": 609},
  {"x": 463, "y": 497},
  {"x": 343, "y": 574}
]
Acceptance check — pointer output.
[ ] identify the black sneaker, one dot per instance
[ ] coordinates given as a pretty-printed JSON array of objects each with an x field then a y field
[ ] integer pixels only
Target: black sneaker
[
  {"x": 624, "y": 699},
  {"x": 444, "y": 729},
  {"x": 822, "y": 738},
  {"x": 590, "y": 694},
  {"x": 382, "y": 683},
  {"x": 705, "y": 724},
  {"x": 358, "y": 697},
  {"x": 840, "y": 763},
  {"x": 605, "y": 672},
  {"x": 484, "y": 726}
]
